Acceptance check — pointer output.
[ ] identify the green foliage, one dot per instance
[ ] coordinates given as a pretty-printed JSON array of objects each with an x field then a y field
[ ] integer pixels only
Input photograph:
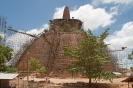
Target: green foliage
[
  {"x": 131, "y": 68},
  {"x": 67, "y": 28},
  {"x": 41, "y": 70},
  {"x": 11, "y": 69},
  {"x": 130, "y": 56},
  {"x": 0, "y": 38},
  {"x": 34, "y": 64},
  {"x": 89, "y": 56},
  {"x": 5, "y": 55},
  {"x": 72, "y": 70},
  {"x": 6, "y": 52}
]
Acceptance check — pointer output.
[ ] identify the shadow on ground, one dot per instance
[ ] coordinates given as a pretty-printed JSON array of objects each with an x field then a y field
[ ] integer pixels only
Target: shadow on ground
[{"x": 85, "y": 85}]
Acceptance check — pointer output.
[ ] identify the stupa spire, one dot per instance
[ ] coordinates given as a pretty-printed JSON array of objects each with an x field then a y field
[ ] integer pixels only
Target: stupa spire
[{"x": 66, "y": 14}]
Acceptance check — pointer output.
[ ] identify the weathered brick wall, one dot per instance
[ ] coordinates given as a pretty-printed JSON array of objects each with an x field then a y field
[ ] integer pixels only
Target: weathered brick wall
[
  {"x": 52, "y": 56},
  {"x": 4, "y": 83},
  {"x": 60, "y": 23}
]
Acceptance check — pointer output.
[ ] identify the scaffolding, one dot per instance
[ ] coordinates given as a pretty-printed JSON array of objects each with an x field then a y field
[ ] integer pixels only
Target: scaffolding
[
  {"x": 3, "y": 28},
  {"x": 20, "y": 46}
]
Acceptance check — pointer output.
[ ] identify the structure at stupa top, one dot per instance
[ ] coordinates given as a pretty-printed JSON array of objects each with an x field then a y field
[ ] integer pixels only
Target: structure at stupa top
[
  {"x": 66, "y": 14},
  {"x": 59, "y": 23}
]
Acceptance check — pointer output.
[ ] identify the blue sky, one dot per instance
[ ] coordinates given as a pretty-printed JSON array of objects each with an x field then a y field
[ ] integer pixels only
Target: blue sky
[{"x": 34, "y": 15}]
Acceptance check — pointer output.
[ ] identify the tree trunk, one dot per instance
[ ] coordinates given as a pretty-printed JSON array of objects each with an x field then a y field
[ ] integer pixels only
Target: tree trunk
[{"x": 89, "y": 86}]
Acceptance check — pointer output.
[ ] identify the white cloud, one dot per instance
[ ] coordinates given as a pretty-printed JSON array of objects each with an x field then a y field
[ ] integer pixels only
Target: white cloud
[
  {"x": 96, "y": 2},
  {"x": 123, "y": 37},
  {"x": 91, "y": 17},
  {"x": 118, "y": 1},
  {"x": 59, "y": 13},
  {"x": 127, "y": 30},
  {"x": 37, "y": 31},
  {"x": 114, "y": 10},
  {"x": 99, "y": 2},
  {"x": 2, "y": 34}
]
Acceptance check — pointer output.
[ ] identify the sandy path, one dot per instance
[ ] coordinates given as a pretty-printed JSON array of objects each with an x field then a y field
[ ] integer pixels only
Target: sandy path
[{"x": 70, "y": 80}]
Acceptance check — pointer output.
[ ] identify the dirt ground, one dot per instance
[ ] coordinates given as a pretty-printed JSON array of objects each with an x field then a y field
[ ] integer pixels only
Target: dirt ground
[{"x": 58, "y": 82}]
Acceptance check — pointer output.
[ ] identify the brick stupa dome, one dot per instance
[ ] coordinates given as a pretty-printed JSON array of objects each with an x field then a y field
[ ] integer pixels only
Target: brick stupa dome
[{"x": 52, "y": 56}]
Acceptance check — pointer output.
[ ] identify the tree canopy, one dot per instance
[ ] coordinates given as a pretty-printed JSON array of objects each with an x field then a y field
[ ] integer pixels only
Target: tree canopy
[
  {"x": 5, "y": 55},
  {"x": 131, "y": 68},
  {"x": 90, "y": 57},
  {"x": 42, "y": 70},
  {"x": 130, "y": 56},
  {"x": 34, "y": 64}
]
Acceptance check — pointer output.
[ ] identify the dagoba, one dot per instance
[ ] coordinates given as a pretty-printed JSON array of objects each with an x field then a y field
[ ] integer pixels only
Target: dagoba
[{"x": 51, "y": 56}]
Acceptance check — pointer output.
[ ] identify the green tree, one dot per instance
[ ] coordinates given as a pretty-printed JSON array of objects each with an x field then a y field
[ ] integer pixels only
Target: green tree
[
  {"x": 130, "y": 56},
  {"x": 90, "y": 57},
  {"x": 5, "y": 55},
  {"x": 131, "y": 68},
  {"x": 41, "y": 70},
  {"x": 72, "y": 70},
  {"x": 11, "y": 69},
  {"x": 34, "y": 64}
]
